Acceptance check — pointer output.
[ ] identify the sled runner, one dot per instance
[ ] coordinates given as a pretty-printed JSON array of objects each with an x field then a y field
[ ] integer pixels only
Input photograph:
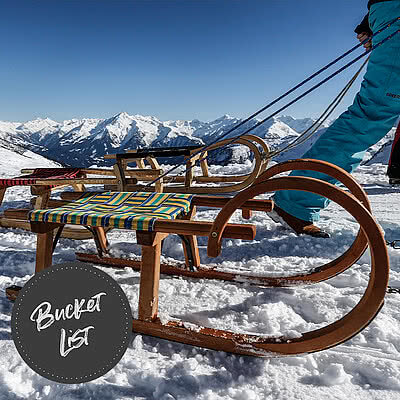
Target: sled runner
[{"x": 155, "y": 215}]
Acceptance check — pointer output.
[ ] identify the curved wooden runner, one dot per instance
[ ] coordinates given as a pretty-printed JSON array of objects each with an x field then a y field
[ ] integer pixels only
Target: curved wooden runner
[
  {"x": 326, "y": 271},
  {"x": 261, "y": 159},
  {"x": 336, "y": 332}
]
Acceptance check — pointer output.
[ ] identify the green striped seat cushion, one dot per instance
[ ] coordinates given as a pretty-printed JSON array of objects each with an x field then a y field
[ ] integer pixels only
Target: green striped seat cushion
[{"x": 125, "y": 210}]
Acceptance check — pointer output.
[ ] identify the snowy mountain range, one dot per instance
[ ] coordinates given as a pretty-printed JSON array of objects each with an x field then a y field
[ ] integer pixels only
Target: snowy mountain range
[{"x": 84, "y": 142}]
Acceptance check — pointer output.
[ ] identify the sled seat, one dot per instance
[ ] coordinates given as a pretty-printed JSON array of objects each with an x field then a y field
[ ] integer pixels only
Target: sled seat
[
  {"x": 100, "y": 211},
  {"x": 161, "y": 152},
  {"x": 124, "y": 210}
]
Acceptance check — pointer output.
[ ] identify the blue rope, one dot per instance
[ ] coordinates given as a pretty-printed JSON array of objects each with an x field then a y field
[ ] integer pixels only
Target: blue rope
[{"x": 204, "y": 148}]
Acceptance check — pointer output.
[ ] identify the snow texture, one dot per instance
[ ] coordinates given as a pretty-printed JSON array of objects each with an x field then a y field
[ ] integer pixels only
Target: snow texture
[{"x": 365, "y": 367}]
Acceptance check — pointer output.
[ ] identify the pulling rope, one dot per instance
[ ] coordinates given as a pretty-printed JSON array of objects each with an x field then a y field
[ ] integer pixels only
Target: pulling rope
[
  {"x": 309, "y": 132},
  {"x": 204, "y": 148},
  {"x": 395, "y": 244}
]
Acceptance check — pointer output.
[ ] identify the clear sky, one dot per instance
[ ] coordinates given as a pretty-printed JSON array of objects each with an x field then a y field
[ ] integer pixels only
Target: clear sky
[{"x": 173, "y": 59}]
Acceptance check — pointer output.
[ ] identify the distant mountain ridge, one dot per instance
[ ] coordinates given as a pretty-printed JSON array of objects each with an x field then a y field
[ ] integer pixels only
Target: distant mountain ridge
[{"x": 84, "y": 142}]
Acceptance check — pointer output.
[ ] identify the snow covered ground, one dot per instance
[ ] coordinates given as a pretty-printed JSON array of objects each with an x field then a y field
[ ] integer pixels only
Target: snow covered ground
[{"x": 365, "y": 367}]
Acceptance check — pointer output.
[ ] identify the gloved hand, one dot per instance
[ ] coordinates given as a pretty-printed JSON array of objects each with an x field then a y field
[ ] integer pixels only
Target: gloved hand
[{"x": 364, "y": 36}]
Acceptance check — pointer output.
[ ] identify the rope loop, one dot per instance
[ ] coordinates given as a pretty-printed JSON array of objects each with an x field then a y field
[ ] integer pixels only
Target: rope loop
[{"x": 395, "y": 244}]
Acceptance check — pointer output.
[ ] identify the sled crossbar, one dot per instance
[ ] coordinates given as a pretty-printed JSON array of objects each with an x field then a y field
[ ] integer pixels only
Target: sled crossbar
[{"x": 179, "y": 227}]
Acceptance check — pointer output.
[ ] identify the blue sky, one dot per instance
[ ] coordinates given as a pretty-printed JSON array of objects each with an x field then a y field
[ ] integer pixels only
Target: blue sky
[{"x": 173, "y": 59}]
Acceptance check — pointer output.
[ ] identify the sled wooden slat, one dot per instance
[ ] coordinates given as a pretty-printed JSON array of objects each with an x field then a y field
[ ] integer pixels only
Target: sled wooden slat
[
  {"x": 87, "y": 181},
  {"x": 143, "y": 173},
  {"x": 13, "y": 223},
  {"x": 136, "y": 172},
  {"x": 18, "y": 218},
  {"x": 18, "y": 213},
  {"x": 202, "y": 228}
]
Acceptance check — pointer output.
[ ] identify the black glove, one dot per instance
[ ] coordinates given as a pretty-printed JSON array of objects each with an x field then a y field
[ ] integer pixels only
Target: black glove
[{"x": 364, "y": 27}]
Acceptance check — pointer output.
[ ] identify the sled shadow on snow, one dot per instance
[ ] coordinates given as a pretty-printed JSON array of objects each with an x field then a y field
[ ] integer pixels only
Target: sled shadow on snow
[
  {"x": 180, "y": 380},
  {"x": 279, "y": 243},
  {"x": 21, "y": 263},
  {"x": 374, "y": 189},
  {"x": 5, "y": 326}
]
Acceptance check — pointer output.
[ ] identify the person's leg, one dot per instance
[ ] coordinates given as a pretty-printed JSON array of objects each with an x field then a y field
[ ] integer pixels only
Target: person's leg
[{"x": 373, "y": 113}]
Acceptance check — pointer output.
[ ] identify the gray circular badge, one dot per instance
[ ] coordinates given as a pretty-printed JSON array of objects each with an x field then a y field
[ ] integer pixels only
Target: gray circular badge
[{"x": 71, "y": 323}]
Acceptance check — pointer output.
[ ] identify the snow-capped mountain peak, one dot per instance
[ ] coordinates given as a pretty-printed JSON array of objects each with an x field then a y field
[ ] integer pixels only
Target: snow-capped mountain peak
[
  {"x": 302, "y": 124},
  {"x": 84, "y": 142},
  {"x": 38, "y": 125}
]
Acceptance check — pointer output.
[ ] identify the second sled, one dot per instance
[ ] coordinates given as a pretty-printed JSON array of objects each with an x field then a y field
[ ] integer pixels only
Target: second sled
[{"x": 191, "y": 182}]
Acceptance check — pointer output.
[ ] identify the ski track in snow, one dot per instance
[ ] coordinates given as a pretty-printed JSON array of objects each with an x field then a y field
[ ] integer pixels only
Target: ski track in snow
[{"x": 365, "y": 367}]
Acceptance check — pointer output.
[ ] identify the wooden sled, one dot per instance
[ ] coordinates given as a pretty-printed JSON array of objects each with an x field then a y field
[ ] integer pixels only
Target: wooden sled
[
  {"x": 42, "y": 193},
  {"x": 148, "y": 322},
  {"x": 191, "y": 183},
  {"x": 42, "y": 181},
  {"x": 193, "y": 268}
]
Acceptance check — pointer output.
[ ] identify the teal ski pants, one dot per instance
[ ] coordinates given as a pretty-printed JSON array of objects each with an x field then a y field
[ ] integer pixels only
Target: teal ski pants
[{"x": 374, "y": 112}]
